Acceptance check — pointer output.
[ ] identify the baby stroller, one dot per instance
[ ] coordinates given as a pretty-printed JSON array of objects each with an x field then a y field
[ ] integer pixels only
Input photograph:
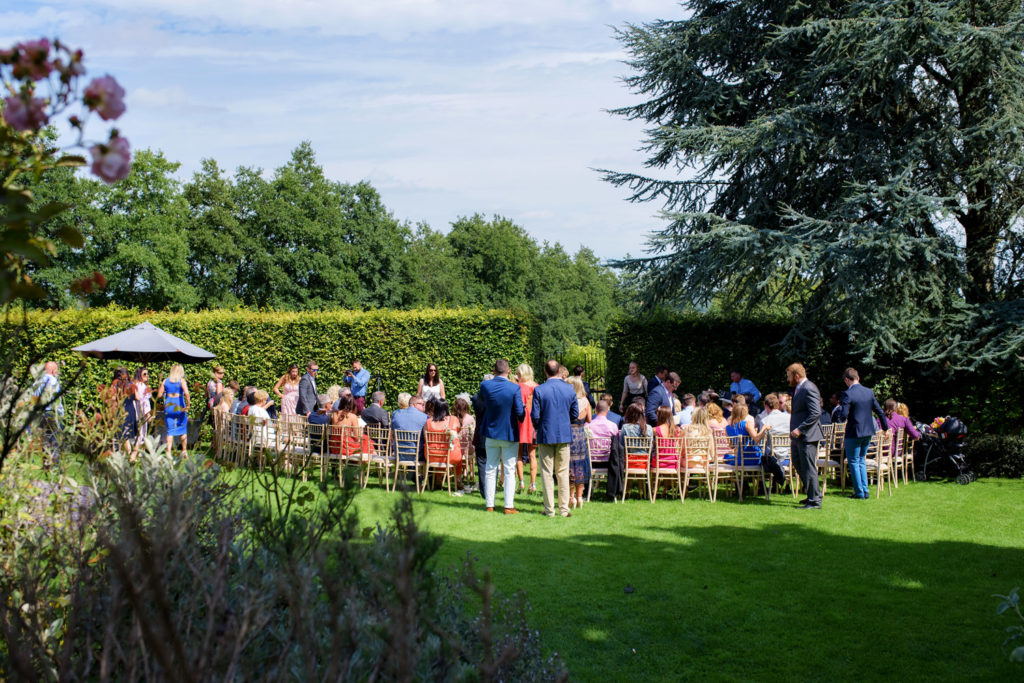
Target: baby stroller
[{"x": 941, "y": 450}]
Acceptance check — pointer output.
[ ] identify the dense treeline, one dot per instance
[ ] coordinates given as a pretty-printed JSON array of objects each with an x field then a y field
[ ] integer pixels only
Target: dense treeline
[{"x": 297, "y": 240}]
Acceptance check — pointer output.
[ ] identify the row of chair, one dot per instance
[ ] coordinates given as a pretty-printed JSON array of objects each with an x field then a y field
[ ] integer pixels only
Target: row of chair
[
  {"x": 711, "y": 460},
  {"x": 302, "y": 448}
]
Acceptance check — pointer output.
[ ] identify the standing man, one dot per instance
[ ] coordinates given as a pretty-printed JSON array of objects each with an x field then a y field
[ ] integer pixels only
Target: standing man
[
  {"x": 503, "y": 409},
  {"x": 857, "y": 404},
  {"x": 307, "y": 402},
  {"x": 659, "y": 376},
  {"x": 554, "y": 407},
  {"x": 578, "y": 371},
  {"x": 740, "y": 385},
  {"x": 48, "y": 393},
  {"x": 806, "y": 433},
  {"x": 358, "y": 377},
  {"x": 661, "y": 395},
  {"x": 479, "y": 441},
  {"x": 375, "y": 413}
]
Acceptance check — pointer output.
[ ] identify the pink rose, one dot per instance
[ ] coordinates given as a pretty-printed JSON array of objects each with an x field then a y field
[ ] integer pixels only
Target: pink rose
[
  {"x": 22, "y": 115},
  {"x": 112, "y": 161},
  {"x": 32, "y": 60},
  {"x": 105, "y": 97}
]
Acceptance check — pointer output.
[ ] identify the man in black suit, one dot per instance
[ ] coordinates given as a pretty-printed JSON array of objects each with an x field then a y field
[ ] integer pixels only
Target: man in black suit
[
  {"x": 374, "y": 414},
  {"x": 307, "y": 390},
  {"x": 806, "y": 433}
]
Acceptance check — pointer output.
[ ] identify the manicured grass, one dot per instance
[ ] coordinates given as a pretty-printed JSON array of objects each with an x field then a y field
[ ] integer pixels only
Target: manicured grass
[{"x": 895, "y": 588}]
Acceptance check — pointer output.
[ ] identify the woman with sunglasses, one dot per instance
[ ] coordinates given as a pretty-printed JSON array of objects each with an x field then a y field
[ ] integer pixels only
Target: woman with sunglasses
[{"x": 430, "y": 385}]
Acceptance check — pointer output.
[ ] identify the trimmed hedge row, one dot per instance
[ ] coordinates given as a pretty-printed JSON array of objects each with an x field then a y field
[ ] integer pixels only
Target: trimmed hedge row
[
  {"x": 704, "y": 349},
  {"x": 996, "y": 455},
  {"x": 257, "y": 347}
]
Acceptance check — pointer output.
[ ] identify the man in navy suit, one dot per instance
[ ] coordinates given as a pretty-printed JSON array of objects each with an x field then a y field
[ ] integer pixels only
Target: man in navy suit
[
  {"x": 856, "y": 406},
  {"x": 554, "y": 408},
  {"x": 503, "y": 408},
  {"x": 661, "y": 395},
  {"x": 806, "y": 433}
]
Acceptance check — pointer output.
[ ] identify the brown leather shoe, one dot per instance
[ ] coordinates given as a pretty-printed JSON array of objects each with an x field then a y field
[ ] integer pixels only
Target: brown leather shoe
[
  {"x": 511, "y": 511},
  {"x": 490, "y": 509}
]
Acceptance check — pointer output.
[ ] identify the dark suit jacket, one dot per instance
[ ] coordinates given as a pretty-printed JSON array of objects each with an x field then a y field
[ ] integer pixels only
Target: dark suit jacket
[
  {"x": 858, "y": 404},
  {"x": 480, "y": 412},
  {"x": 318, "y": 418},
  {"x": 554, "y": 408},
  {"x": 503, "y": 401},
  {"x": 307, "y": 395},
  {"x": 805, "y": 411},
  {"x": 373, "y": 414},
  {"x": 658, "y": 397}
]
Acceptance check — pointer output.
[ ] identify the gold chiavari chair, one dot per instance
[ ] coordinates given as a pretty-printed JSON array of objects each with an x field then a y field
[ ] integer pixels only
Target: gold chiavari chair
[
  {"x": 599, "y": 449},
  {"x": 665, "y": 462},
  {"x": 638, "y": 463},
  {"x": 696, "y": 463}
]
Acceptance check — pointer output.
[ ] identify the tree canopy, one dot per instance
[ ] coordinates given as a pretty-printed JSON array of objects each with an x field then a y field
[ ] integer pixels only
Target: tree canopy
[
  {"x": 858, "y": 162},
  {"x": 297, "y": 240}
]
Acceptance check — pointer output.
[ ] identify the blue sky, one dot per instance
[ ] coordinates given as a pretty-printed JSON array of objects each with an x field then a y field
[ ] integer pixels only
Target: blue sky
[{"x": 448, "y": 108}]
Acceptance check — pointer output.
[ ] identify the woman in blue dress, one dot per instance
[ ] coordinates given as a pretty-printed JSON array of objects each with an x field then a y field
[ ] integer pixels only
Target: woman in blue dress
[{"x": 176, "y": 405}]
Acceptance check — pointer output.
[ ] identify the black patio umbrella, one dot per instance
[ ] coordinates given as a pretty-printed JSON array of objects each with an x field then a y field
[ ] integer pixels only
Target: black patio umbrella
[{"x": 145, "y": 343}]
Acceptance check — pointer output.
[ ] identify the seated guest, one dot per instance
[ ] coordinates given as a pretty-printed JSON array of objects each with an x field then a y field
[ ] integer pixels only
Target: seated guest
[
  {"x": 685, "y": 416},
  {"x": 429, "y": 405},
  {"x": 602, "y": 425},
  {"x": 697, "y": 456},
  {"x": 333, "y": 392},
  {"x": 258, "y": 409},
  {"x": 411, "y": 418},
  {"x": 467, "y": 431},
  {"x": 777, "y": 424},
  {"x": 612, "y": 415},
  {"x": 250, "y": 401},
  {"x": 350, "y": 441},
  {"x": 342, "y": 391},
  {"x": 896, "y": 420},
  {"x": 635, "y": 424},
  {"x": 835, "y": 403},
  {"x": 825, "y": 418},
  {"x": 707, "y": 397},
  {"x": 403, "y": 400},
  {"x": 739, "y": 425},
  {"x": 449, "y": 449},
  {"x": 321, "y": 417},
  {"x": 666, "y": 451},
  {"x": 242, "y": 400},
  {"x": 784, "y": 402},
  {"x": 374, "y": 414},
  {"x": 741, "y": 385},
  {"x": 716, "y": 419}
]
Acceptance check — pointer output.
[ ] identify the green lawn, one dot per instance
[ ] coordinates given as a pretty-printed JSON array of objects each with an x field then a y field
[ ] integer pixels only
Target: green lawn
[{"x": 895, "y": 588}]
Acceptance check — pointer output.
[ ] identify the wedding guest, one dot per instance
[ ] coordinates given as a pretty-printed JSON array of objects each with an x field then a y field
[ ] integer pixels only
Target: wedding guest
[
  {"x": 215, "y": 387},
  {"x": 450, "y": 449},
  {"x": 578, "y": 371},
  {"x": 579, "y": 460},
  {"x": 258, "y": 411},
  {"x": 898, "y": 421},
  {"x": 527, "y": 433},
  {"x": 307, "y": 390},
  {"x": 375, "y": 413},
  {"x": 555, "y": 406},
  {"x": 633, "y": 385},
  {"x": 358, "y": 378},
  {"x": 287, "y": 389},
  {"x": 685, "y": 416},
  {"x": 467, "y": 433},
  {"x": 176, "y": 406},
  {"x": 143, "y": 402},
  {"x": 430, "y": 385},
  {"x": 612, "y": 415}
]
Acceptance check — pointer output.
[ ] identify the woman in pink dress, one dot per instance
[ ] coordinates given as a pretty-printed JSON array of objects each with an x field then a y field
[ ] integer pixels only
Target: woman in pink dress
[
  {"x": 527, "y": 435},
  {"x": 287, "y": 389}
]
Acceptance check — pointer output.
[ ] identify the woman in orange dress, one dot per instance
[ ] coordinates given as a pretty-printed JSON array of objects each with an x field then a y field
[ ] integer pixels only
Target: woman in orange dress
[
  {"x": 449, "y": 448},
  {"x": 354, "y": 441},
  {"x": 527, "y": 435}
]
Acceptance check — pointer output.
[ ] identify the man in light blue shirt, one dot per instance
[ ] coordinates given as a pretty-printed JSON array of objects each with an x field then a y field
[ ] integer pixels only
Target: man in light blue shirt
[
  {"x": 741, "y": 385},
  {"x": 358, "y": 377}
]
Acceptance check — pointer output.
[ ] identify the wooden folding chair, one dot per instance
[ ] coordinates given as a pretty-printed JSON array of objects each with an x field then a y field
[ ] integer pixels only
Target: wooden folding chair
[
  {"x": 696, "y": 462},
  {"x": 406, "y": 448},
  {"x": 745, "y": 466},
  {"x": 879, "y": 461},
  {"x": 825, "y": 463},
  {"x": 838, "y": 451},
  {"x": 380, "y": 458},
  {"x": 667, "y": 449},
  {"x": 638, "y": 463},
  {"x": 780, "y": 446},
  {"x": 438, "y": 449},
  {"x": 599, "y": 449},
  {"x": 908, "y": 456}
]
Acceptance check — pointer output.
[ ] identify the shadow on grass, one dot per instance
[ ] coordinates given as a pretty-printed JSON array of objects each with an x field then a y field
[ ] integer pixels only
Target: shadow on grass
[{"x": 782, "y": 601}]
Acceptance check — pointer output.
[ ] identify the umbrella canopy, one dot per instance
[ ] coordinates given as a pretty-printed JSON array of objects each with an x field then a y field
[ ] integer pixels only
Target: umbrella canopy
[{"x": 145, "y": 343}]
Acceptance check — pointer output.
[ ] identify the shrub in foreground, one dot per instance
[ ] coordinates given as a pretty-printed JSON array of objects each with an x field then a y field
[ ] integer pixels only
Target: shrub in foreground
[{"x": 178, "y": 571}]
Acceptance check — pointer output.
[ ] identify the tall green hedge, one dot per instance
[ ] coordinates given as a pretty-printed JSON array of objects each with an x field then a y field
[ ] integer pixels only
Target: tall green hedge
[
  {"x": 257, "y": 347},
  {"x": 704, "y": 348}
]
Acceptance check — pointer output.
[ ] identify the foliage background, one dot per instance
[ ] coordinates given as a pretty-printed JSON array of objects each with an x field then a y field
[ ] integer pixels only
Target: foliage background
[
  {"x": 703, "y": 349},
  {"x": 256, "y": 347}
]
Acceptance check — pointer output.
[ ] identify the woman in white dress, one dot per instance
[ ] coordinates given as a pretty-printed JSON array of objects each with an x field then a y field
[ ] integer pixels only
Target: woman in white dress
[{"x": 430, "y": 385}]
